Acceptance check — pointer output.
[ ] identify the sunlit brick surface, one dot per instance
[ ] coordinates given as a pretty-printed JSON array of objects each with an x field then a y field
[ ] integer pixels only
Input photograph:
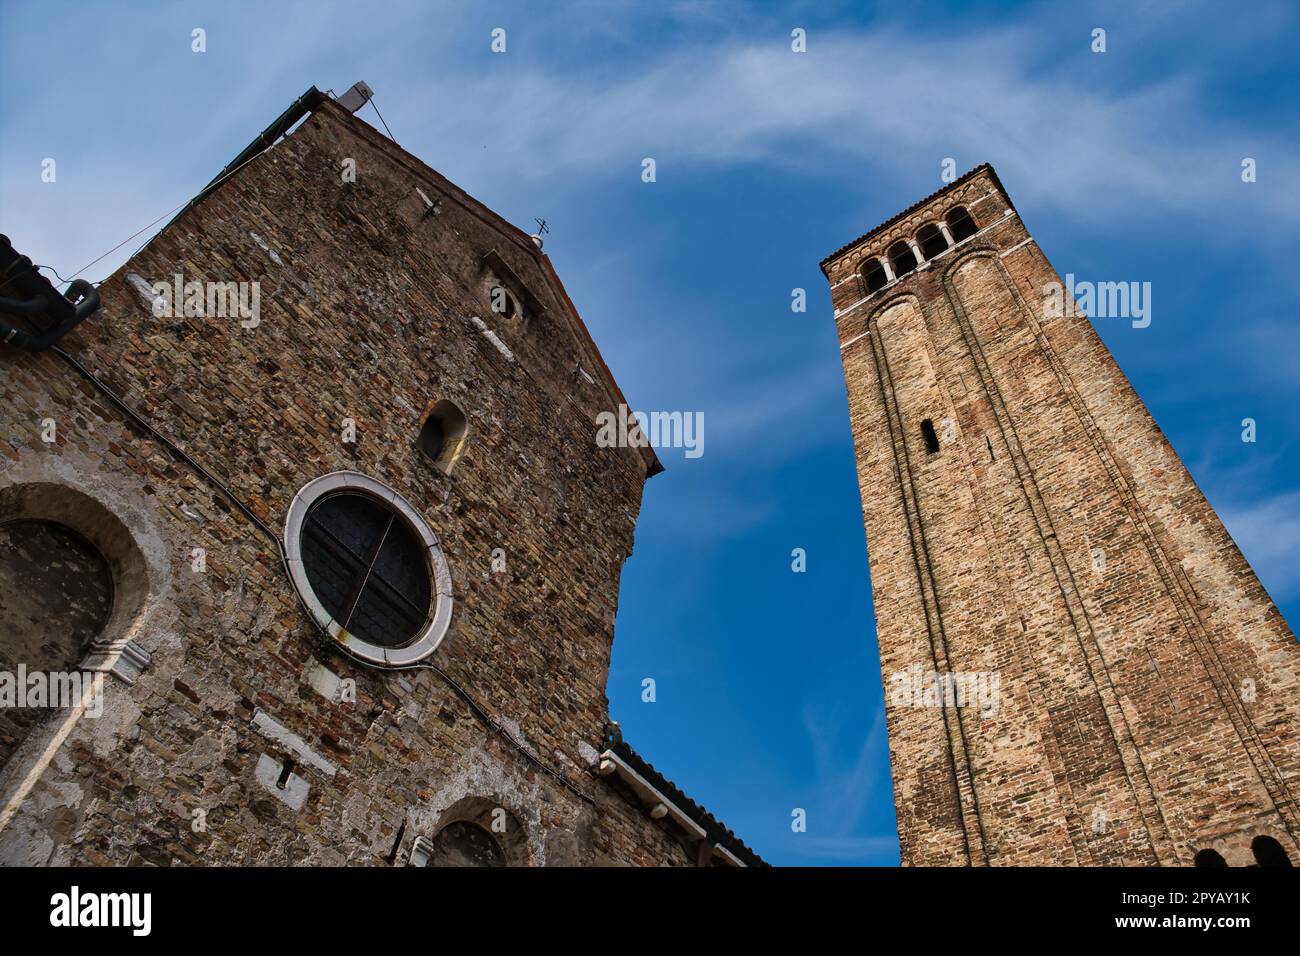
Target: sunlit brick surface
[{"x": 1149, "y": 700}]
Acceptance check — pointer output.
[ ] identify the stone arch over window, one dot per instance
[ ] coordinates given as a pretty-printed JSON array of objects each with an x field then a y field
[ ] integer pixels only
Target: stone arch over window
[
  {"x": 503, "y": 302},
  {"x": 931, "y": 240},
  {"x": 902, "y": 259},
  {"x": 874, "y": 276},
  {"x": 509, "y": 298},
  {"x": 103, "y": 530},
  {"x": 461, "y": 843},
  {"x": 443, "y": 436},
  {"x": 56, "y": 592},
  {"x": 74, "y": 586},
  {"x": 1268, "y": 852},
  {"x": 474, "y": 831},
  {"x": 960, "y": 224},
  {"x": 1209, "y": 857}
]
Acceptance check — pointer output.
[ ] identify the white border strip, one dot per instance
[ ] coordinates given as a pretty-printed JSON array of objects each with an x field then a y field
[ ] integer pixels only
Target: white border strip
[
  {"x": 993, "y": 225},
  {"x": 611, "y": 762},
  {"x": 1017, "y": 246},
  {"x": 727, "y": 855},
  {"x": 860, "y": 335},
  {"x": 424, "y": 643}
]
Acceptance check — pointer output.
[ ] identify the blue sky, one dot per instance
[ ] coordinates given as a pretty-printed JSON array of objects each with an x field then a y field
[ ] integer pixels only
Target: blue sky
[{"x": 1124, "y": 166}]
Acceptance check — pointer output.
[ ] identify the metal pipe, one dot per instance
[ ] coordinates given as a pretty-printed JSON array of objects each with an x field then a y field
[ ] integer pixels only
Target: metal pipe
[
  {"x": 32, "y": 306},
  {"x": 80, "y": 292}
]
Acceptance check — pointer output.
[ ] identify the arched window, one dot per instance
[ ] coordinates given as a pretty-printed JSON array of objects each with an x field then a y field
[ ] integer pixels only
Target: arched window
[
  {"x": 477, "y": 831},
  {"x": 873, "y": 274},
  {"x": 960, "y": 224},
  {"x": 1268, "y": 852},
  {"x": 1210, "y": 858},
  {"x": 69, "y": 548},
  {"x": 56, "y": 594},
  {"x": 504, "y": 302},
  {"x": 442, "y": 436},
  {"x": 931, "y": 240},
  {"x": 462, "y": 843},
  {"x": 931, "y": 439},
  {"x": 902, "y": 259}
]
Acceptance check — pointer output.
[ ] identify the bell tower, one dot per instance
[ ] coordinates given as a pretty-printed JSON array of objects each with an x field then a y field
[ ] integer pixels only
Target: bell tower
[{"x": 1080, "y": 668}]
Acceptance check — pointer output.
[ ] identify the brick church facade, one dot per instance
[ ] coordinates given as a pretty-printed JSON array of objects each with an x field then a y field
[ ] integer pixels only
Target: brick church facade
[
  {"x": 344, "y": 549},
  {"x": 1080, "y": 667},
  {"x": 313, "y": 482}
]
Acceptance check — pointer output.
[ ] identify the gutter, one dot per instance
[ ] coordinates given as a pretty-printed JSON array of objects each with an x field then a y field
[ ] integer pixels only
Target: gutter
[
  {"x": 81, "y": 299},
  {"x": 30, "y": 295},
  {"x": 302, "y": 107},
  {"x": 659, "y": 806}
]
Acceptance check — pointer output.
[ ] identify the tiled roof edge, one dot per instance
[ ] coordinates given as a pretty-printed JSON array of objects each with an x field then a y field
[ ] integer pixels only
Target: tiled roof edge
[
  {"x": 965, "y": 177},
  {"x": 718, "y": 833}
]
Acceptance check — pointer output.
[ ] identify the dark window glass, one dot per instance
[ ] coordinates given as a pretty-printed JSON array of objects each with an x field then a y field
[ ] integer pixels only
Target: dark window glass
[
  {"x": 442, "y": 437},
  {"x": 503, "y": 302},
  {"x": 901, "y": 258},
  {"x": 932, "y": 241},
  {"x": 874, "y": 275},
  {"x": 367, "y": 567},
  {"x": 465, "y": 844},
  {"x": 931, "y": 439},
  {"x": 1268, "y": 852},
  {"x": 433, "y": 438},
  {"x": 961, "y": 225}
]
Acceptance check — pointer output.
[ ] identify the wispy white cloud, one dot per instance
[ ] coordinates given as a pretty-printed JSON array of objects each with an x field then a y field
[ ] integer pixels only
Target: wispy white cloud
[
  {"x": 843, "y": 792},
  {"x": 887, "y": 100},
  {"x": 860, "y": 105},
  {"x": 1268, "y": 532},
  {"x": 775, "y": 407}
]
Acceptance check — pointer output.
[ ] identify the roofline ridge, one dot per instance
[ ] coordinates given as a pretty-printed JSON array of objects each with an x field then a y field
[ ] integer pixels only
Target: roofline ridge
[{"x": 963, "y": 178}]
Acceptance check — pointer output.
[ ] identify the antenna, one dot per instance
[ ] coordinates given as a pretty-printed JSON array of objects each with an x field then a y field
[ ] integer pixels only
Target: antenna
[{"x": 541, "y": 231}]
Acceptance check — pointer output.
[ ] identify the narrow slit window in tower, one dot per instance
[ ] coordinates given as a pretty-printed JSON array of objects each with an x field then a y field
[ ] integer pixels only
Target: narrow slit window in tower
[{"x": 931, "y": 439}]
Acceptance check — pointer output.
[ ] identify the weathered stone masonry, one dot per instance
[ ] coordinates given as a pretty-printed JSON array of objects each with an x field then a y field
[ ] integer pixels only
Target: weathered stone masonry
[
  {"x": 374, "y": 307},
  {"x": 1047, "y": 533}
]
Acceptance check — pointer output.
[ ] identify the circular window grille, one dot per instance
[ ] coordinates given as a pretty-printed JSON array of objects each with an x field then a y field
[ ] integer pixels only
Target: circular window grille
[{"x": 369, "y": 569}]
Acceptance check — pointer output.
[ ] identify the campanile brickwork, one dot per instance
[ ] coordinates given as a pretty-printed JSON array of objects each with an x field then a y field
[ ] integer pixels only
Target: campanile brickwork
[{"x": 1131, "y": 693}]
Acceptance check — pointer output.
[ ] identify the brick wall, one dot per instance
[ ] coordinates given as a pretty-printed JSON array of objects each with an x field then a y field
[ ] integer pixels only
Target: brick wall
[
  {"x": 1056, "y": 541},
  {"x": 364, "y": 312}
]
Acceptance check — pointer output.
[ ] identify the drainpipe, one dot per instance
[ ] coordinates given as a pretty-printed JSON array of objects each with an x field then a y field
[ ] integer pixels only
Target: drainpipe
[{"x": 83, "y": 296}]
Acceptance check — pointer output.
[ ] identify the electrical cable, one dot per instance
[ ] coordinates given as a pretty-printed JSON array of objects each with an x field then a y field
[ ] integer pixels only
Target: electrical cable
[
  {"x": 208, "y": 188},
  {"x": 381, "y": 119},
  {"x": 62, "y": 281},
  {"x": 325, "y": 640}
]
